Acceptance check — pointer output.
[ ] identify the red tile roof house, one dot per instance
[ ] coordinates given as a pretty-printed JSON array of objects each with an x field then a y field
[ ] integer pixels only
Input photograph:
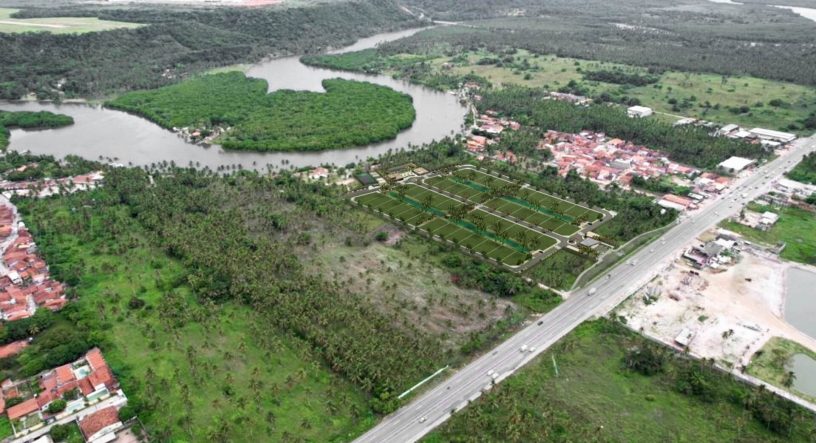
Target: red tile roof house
[
  {"x": 96, "y": 427},
  {"x": 97, "y": 398}
]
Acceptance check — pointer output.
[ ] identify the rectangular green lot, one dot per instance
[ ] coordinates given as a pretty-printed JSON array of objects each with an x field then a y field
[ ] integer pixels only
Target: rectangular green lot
[
  {"x": 473, "y": 184},
  {"x": 423, "y": 207}
]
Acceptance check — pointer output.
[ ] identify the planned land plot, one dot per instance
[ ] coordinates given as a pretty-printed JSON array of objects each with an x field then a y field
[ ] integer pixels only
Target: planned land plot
[
  {"x": 397, "y": 209},
  {"x": 501, "y": 227},
  {"x": 455, "y": 185},
  {"x": 547, "y": 221},
  {"x": 480, "y": 232},
  {"x": 476, "y": 186}
]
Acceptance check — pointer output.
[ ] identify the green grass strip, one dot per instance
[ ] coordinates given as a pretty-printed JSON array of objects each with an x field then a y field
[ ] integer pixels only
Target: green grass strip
[
  {"x": 526, "y": 204},
  {"x": 418, "y": 205}
]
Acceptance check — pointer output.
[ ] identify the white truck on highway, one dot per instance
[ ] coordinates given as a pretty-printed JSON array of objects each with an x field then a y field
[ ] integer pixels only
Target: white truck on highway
[{"x": 592, "y": 291}]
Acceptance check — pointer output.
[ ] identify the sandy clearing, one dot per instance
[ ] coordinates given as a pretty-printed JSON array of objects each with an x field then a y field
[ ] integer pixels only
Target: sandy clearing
[
  {"x": 731, "y": 313},
  {"x": 40, "y": 25}
]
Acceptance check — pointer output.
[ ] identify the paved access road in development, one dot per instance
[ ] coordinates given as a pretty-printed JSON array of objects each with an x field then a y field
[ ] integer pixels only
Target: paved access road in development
[{"x": 414, "y": 420}]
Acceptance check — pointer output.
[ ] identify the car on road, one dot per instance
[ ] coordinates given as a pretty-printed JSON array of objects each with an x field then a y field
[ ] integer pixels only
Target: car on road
[
  {"x": 532, "y": 349},
  {"x": 592, "y": 291},
  {"x": 422, "y": 419},
  {"x": 490, "y": 373},
  {"x": 540, "y": 322},
  {"x": 523, "y": 348}
]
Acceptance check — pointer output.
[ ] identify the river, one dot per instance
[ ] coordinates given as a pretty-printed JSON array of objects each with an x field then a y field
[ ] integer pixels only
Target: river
[{"x": 104, "y": 133}]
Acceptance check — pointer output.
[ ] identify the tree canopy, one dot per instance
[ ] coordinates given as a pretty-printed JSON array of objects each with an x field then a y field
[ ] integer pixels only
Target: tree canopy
[{"x": 348, "y": 114}]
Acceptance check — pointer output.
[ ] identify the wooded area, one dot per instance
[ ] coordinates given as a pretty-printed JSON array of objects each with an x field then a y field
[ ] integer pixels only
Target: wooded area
[
  {"x": 175, "y": 43},
  {"x": 29, "y": 120},
  {"x": 805, "y": 171},
  {"x": 348, "y": 114},
  {"x": 684, "y": 35}
]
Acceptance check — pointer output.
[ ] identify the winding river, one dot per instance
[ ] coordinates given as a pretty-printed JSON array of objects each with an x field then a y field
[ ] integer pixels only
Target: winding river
[{"x": 105, "y": 133}]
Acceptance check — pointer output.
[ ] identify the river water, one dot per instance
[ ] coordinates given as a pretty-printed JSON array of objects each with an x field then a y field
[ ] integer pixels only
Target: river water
[{"x": 104, "y": 133}]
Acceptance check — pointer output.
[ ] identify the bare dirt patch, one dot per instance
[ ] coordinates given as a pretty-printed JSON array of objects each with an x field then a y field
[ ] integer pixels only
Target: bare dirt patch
[{"x": 730, "y": 314}]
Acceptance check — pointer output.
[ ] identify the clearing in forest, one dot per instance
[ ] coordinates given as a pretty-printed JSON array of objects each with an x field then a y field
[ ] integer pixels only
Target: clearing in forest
[{"x": 58, "y": 25}]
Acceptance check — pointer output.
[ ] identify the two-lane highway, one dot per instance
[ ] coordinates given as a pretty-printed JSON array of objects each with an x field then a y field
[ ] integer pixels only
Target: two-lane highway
[{"x": 435, "y": 406}]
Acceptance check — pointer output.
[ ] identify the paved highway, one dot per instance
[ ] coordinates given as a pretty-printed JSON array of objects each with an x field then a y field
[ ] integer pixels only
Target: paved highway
[{"x": 414, "y": 420}]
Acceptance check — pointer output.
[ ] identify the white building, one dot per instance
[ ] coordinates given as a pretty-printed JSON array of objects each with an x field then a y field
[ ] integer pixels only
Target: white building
[
  {"x": 767, "y": 134},
  {"x": 639, "y": 111},
  {"x": 736, "y": 164},
  {"x": 727, "y": 129},
  {"x": 794, "y": 188}
]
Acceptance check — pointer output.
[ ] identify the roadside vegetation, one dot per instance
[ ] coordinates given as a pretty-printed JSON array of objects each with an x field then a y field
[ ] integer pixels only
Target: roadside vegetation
[
  {"x": 348, "y": 114},
  {"x": 174, "y": 43},
  {"x": 560, "y": 270},
  {"x": 805, "y": 171},
  {"x": 29, "y": 120},
  {"x": 794, "y": 228},
  {"x": 608, "y": 383}
]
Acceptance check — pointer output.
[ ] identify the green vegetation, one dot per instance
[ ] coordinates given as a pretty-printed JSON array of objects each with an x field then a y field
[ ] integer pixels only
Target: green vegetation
[
  {"x": 794, "y": 228},
  {"x": 429, "y": 59},
  {"x": 68, "y": 433},
  {"x": 42, "y": 166},
  {"x": 348, "y": 114},
  {"x": 602, "y": 393},
  {"x": 193, "y": 370},
  {"x": 174, "y": 43},
  {"x": 57, "y": 25},
  {"x": 226, "y": 308},
  {"x": 805, "y": 171},
  {"x": 560, "y": 270},
  {"x": 29, "y": 120},
  {"x": 493, "y": 237},
  {"x": 771, "y": 363},
  {"x": 5, "y": 427},
  {"x": 715, "y": 37}
]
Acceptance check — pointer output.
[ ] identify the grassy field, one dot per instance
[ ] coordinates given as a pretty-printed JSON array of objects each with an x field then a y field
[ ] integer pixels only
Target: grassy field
[
  {"x": 675, "y": 93},
  {"x": 560, "y": 270},
  {"x": 593, "y": 397},
  {"x": 58, "y": 25},
  {"x": 770, "y": 363},
  {"x": 795, "y": 227},
  {"x": 198, "y": 369}
]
